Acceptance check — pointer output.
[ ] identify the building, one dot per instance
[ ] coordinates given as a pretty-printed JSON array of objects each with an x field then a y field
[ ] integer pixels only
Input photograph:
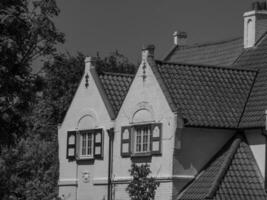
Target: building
[{"x": 198, "y": 117}]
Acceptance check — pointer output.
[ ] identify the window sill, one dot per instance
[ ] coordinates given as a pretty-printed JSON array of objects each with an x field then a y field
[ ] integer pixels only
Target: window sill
[
  {"x": 147, "y": 154},
  {"x": 85, "y": 158}
]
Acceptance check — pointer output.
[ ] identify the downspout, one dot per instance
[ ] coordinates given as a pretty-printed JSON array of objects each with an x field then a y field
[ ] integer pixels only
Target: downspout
[
  {"x": 264, "y": 132},
  {"x": 110, "y": 161}
]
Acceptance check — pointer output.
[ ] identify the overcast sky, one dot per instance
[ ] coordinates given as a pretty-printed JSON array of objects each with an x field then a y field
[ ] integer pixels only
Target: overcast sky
[{"x": 125, "y": 25}]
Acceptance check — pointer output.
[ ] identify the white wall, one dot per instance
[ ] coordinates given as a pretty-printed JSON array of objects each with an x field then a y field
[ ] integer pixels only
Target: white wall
[
  {"x": 87, "y": 101},
  {"x": 257, "y": 143},
  {"x": 146, "y": 94}
]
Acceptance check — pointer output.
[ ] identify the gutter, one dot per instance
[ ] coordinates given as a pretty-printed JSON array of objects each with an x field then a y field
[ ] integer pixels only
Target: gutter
[{"x": 110, "y": 161}]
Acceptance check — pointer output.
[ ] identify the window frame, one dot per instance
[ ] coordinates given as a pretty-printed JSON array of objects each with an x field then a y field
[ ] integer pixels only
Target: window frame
[
  {"x": 134, "y": 140},
  {"x": 154, "y": 141},
  {"x": 80, "y": 144},
  {"x": 95, "y": 144}
]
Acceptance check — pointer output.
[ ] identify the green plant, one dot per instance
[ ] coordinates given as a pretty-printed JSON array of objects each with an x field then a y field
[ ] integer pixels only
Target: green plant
[{"x": 141, "y": 187}]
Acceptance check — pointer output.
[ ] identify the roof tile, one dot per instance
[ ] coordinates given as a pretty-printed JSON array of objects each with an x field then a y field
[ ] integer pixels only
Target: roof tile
[
  {"x": 116, "y": 86},
  {"x": 205, "y": 95},
  {"x": 232, "y": 174},
  {"x": 222, "y": 53}
]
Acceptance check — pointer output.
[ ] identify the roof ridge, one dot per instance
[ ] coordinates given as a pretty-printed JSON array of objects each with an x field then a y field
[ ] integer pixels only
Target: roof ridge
[
  {"x": 213, "y": 43},
  {"x": 258, "y": 42},
  {"x": 249, "y": 94},
  {"x": 117, "y": 74},
  {"x": 169, "y": 53},
  {"x": 207, "y": 66},
  {"x": 225, "y": 165}
]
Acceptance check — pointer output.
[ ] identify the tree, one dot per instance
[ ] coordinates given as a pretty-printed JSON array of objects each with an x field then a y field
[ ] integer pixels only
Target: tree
[
  {"x": 29, "y": 171},
  {"x": 141, "y": 187},
  {"x": 27, "y": 33},
  {"x": 115, "y": 62}
]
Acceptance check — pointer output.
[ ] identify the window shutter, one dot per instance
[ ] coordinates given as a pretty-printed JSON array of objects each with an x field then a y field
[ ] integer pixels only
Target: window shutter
[
  {"x": 78, "y": 135},
  {"x": 98, "y": 144},
  {"x": 156, "y": 138},
  {"x": 126, "y": 141},
  {"x": 71, "y": 144}
]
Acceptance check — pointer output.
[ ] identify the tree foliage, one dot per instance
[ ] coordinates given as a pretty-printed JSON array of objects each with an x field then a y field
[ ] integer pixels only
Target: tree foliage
[
  {"x": 141, "y": 187},
  {"x": 31, "y": 106},
  {"x": 29, "y": 171},
  {"x": 115, "y": 62},
  {"x": 27, "y": 33}
]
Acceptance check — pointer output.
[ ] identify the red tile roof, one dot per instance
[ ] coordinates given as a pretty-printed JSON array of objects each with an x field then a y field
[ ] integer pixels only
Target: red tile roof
[
  {"x": 255, "y": 58},
  {"x": 222, "y": 53},
  {"x": 116, "y": 86},
  {"x": 206, "y": 95},
  {"x": 233, "y": 174}
]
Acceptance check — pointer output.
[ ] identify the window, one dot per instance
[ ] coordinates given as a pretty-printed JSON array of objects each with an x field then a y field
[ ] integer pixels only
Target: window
[
  {"x": 141, "y": 140},
  {"x": 85, "y": 144}
]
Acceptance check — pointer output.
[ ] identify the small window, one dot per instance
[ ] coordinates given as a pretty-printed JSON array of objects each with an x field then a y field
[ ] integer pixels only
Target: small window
[
  {"x": 141, "y": 140},
  {"x": 86, "y": 144}
]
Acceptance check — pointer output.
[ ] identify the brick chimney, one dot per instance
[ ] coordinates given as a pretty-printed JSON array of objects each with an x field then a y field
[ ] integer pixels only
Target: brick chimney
[
  {"x": 255, "y": 23},
  {"x": 180, "y": 38}
]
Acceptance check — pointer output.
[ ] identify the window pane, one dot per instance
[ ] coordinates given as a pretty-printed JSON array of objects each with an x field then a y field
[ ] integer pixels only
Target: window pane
[
  {"x": 142, "y": 139},
  {"x": 138, "y": 140},
  {"x": 89, "y": 147},
  {"x": 83, "y": 144}
]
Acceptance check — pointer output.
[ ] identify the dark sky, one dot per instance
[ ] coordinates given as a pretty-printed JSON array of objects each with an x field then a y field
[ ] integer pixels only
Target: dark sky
[{"x": 125, "y": 25}]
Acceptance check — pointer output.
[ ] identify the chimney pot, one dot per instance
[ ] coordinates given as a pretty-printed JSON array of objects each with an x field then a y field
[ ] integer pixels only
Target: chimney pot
[
  {"x": 255, "y": 23},
  {"x": 180, "y": 38}
]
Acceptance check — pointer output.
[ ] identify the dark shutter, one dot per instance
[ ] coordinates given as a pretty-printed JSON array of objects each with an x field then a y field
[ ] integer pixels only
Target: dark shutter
[
  {"x": 98, "y": 143},
  {"x": 126, "y": 141},
  {"x": 78, "y": 135},
  {"x": 156, "y": 138},
  {"x": 71, "y": 145}
]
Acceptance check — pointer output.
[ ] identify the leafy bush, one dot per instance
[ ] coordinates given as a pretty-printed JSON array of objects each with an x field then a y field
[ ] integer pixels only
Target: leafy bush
[{"x": 141, "y": 187}]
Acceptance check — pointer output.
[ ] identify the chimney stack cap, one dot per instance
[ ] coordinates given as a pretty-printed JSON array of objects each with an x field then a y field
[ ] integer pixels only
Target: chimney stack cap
[
  {"x": 180, "y": 34},
  {"x": 148, "y": 47},
  {"x": 180, "y": 38}
]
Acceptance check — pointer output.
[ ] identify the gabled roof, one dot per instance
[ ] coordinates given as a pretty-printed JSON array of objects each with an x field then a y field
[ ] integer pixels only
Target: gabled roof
[
  {"x": 255, "y": 58},
  {"x": 222, "y": 53},
  {"x": 116, "y": 86},
  {"x": 233, "y": 174},
  {"x": 206, "y": 95}
]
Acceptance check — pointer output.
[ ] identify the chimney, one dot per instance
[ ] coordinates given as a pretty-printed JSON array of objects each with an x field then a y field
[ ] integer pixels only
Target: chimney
[
  {"x": 255, "y": 23},
  {"x": 180, "y": 38},
  {"x": 148, "y": 51}
]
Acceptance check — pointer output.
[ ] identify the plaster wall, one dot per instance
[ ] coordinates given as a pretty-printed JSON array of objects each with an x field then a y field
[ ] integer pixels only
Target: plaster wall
[
  {"x": 257, "y": 143},
  {"x": 145, "y": 94},
  {"x": 194, "y": 147},
  {"x": 87, "y": 104}
]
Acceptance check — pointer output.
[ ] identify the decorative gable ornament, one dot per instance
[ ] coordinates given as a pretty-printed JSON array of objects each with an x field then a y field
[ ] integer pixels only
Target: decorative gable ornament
[
  {"x": 144, "y": 71},
  {"x": 86, "y": 80}
]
